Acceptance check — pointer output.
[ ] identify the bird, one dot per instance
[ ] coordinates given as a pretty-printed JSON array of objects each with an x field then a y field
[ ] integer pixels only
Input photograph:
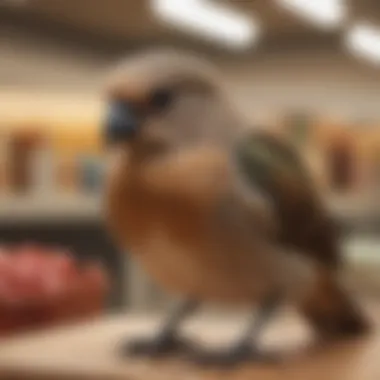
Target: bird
[{"x": 215, "y": 209}]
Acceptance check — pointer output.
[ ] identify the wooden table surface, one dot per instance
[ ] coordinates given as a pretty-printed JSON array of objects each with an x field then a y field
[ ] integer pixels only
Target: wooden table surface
[{"x": 89, "y": 351}]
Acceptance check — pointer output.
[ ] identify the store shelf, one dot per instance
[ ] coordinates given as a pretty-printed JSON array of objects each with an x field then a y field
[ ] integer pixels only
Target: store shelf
[
  {"x": 356, "y": 213},
  {"x": 351, "y": 211},
  {"x": 354, "y": 205},
  {"x": 49, "y": 208}
]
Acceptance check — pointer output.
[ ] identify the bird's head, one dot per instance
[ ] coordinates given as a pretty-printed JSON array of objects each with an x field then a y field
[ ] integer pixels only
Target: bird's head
[{"x": 159, "y": 100}]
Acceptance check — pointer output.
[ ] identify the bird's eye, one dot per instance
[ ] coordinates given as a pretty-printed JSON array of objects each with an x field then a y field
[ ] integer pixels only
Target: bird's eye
[{"x": 160, "y": 99}]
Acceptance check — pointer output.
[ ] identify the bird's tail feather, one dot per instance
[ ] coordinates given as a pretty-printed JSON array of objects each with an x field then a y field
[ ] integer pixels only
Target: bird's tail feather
[{"x": 332, "y": 312}]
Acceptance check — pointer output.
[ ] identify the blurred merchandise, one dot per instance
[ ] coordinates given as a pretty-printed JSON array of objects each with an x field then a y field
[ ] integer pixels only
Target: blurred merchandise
[
  {"x": 42, "y": 286},
  {"x": 342, "y": 157},
  {"x": 375, "y": 167},
  {"x": 91, "y": 173},
  {"x": 66, "y": 159},
  {"x": 22, "y": 146},
  {"x": 341, "y": 163},
  {"x": 46, "y": 160},
  {"x": 4, "y": 146},
  {"x": 43, "y": 168},
  {"x": 67, "y": 175}
]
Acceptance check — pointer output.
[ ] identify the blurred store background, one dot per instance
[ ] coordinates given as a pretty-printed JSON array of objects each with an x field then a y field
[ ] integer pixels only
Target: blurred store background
[{"x": 309, "y": 70}]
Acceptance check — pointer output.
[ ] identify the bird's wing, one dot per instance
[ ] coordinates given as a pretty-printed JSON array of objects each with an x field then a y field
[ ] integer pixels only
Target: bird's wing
[{"x": 271, "y": 165}]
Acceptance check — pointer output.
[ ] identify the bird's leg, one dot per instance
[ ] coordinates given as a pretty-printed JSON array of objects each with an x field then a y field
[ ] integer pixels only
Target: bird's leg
[
  {"x": 247, "y": 348},
  {"x": 167, "y": 340}
]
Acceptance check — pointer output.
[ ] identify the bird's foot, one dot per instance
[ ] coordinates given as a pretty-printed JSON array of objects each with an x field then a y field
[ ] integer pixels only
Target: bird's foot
[
  {"x": 238, "y": 355},
  {"x": 157, "y": 347}
]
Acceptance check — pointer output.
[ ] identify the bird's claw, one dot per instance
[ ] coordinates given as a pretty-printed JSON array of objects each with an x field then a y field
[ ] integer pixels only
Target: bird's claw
[
  {"x": 159, "y": 347},
  {"x": 241, "y": 354}
]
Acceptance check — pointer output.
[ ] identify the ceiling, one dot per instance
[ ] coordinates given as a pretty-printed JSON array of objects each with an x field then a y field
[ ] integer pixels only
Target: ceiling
[{"x": 121, "y": 22}]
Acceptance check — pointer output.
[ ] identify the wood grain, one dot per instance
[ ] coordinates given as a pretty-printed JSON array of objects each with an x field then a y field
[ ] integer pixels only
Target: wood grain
[{"x": 89, "y": 351}]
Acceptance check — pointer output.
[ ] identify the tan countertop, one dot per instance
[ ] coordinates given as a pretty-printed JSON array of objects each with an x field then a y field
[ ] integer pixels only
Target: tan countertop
[{"x": 89, "y": 351}]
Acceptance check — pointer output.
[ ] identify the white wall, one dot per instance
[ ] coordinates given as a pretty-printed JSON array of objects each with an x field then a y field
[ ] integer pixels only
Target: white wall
[
  {"x": 39, "y": 64},
  {"x": 328, "y": 83}
]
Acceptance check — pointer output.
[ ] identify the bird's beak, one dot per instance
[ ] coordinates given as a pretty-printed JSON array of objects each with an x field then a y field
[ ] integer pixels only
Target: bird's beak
[{"x": 121, "y": 123}]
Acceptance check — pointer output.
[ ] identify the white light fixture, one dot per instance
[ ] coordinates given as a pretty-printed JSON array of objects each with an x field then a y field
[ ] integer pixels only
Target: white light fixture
[
  {"x": 326, "y": 14},
  {"x": 212, "y": 21},
  {"x": 363, "y": 40}
]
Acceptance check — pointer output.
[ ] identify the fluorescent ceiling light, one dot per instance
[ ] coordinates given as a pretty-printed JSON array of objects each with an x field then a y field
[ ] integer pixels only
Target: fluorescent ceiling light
[
  {"x": 363, "y": 40},
  {"x": 212, "y": 21},
  {"x": 327, "y": 14}
]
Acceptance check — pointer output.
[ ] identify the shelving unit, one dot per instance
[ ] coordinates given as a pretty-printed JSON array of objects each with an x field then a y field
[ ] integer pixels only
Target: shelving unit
[
  {"x": 56, "y": 208},
  {"x": 74, "y": 222},
  {"x": 52, "y": 209}
]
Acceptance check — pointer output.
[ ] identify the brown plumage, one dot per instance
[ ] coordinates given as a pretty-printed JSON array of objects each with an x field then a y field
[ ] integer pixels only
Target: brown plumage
[
  {"x": 213, "y": 213},
  {"x": 303, "y": 222}
]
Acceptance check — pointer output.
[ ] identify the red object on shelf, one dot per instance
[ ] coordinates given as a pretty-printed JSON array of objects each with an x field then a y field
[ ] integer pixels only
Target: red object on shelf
[{"x": 41, "y": 286}]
